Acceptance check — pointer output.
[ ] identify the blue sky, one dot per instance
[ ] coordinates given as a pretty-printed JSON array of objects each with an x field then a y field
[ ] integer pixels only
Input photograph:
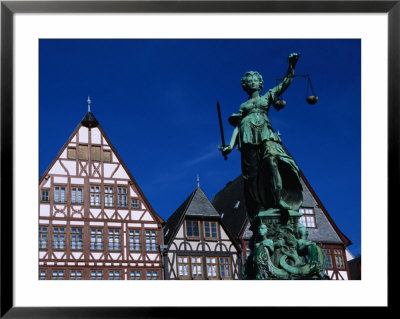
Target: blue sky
[{"x": 156, "y": 101}]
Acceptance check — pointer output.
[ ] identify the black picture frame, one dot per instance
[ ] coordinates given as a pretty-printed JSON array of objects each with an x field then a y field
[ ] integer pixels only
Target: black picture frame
[{"x": 9, "y": 8}]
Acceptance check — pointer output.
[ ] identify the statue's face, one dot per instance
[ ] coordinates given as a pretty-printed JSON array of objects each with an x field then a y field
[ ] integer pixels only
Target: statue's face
[
  {"x": 252, "y": 83},
  {"x": 262, "y": 230}
]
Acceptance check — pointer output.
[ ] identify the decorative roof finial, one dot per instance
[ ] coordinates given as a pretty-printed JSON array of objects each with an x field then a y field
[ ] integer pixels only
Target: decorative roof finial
[
  {"x": 198, "y": 181},
  {"x": 279, "y": 133},
  {"x": 88, "y": 103}
]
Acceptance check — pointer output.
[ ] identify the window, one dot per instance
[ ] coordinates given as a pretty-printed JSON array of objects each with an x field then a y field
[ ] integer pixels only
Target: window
[
  {"x": 107, "y": 156},
  {"x": 122, "y": 197},
  {"x": 114, "y": 275},
  {"x": 210, "y": 230},
  {"x": 76, "y": 239},
  {"x": 151, "y": 240},
  {"x": 134, "y": 240},
  {"x": 94, "y": 195},
  {"x": 135, "y": 275},
  {"x": 225, "y": 267},
  {"x": 76, "y": 195},
  {"x": 44, "y": 195},
  {"x": 308, "y": 218},
  {"x": 108, "y": 196},
  {"x": 328, "y": 258},
  {"x": 192, "y": 229},
  {"x": 71, "y": 153},
  {"x": 59, "y": 194},
  {"x": 58, "y": 238},
  {"x": 95, "y": 152},
  {"x": 83, "y": 152},
  {"x": 96, "y": 275},
  {"x": 96, "y": 239},
  {"x": 42, "y": 237},
  {"x": 183, "y": 267},
  {"x": 196, "y": 266},
  {"x": 339, "y": 258},
  {"x": 211, "y": 265},
  {"x": 42, "y": 274},
  {"x": 135, "y": 204},
  {"x": 152, "y": 275},
  {"x": 57, "y": 275},
  {"x": 114, "y": 240},
  {"x": 76, "y": 275}
]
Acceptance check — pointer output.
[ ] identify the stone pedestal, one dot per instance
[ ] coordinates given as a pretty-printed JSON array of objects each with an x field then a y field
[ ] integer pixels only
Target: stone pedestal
[{"x": 281, "y": 250}]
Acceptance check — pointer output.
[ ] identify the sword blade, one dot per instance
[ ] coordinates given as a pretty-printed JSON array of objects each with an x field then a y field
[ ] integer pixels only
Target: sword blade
[{"x": 221, "y": 128}]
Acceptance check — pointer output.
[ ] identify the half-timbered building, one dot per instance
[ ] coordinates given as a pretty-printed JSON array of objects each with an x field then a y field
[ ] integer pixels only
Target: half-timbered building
[
  {"x": 197, "y": 243},
  {"x": 229, "y": 202},
  {"x": 94, "y": 220}
]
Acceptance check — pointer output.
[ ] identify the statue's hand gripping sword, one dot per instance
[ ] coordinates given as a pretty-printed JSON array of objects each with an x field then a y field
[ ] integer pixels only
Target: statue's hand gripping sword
[{"x": 221, "y": 147}]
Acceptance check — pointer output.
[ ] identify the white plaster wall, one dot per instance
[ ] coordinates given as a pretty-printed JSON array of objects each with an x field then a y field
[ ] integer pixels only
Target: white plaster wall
[
  {"x": 70, "y": 166},
  {"x": 96, "y": 136},
  {"x": 57, "y": 169},
  {"x": 120, "y": 173},
  {"x": 78, "y": 181},
  {"x": 147, "y": 217},
  {"x": 83, "y": 135},
  {"x": 44, "y": 210},
  {"x": 61, "y": 180}
]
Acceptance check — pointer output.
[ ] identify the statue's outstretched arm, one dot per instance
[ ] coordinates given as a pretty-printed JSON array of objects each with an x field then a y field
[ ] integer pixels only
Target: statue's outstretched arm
[{"x": 274, "y": 93}]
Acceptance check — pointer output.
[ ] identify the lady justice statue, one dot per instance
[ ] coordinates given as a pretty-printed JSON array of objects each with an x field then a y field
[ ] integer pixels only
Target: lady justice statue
[
  {"x": 271, "y": 176},
  {"x": 272, "y": 187}
]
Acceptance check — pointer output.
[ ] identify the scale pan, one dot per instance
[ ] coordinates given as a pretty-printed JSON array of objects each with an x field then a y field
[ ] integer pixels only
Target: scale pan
[
  {"x": 280, "y": 104},
  {"x": 312, "y": 99}
]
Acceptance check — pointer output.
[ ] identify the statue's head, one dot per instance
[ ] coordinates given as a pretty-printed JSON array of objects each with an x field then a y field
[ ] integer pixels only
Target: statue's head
[
  {"x": 302, "y": 231},
  {"x": 262, "y": 230},
  {"x": 252, "y": 81}
]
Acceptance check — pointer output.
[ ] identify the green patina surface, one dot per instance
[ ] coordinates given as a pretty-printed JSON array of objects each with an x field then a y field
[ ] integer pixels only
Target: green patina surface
[{"x": 272, "y": 188}]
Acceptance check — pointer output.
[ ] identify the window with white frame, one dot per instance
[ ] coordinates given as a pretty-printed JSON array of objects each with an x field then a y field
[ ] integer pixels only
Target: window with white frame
[
  {"x": 96, "y": 275},
  {"x": 122, "y": 197},
  {"x": 76, "y": 238},
  {"x": 151, "y": 240},
  {"x": 225, "y": 267},
  {"x": 152, "y": 275},
  {"x": 60, "y": 195},
  {"x": 308, "y": 218},
  {"x": 114, "y": 240},
  {"x": 96, "y": 239},
  {"x": 135, "y": 275},
  {"x": 57, "y": 275},
  {"x": 114, "y": 275},
  {"x": 76, "y": 195},
  {"x": 42, "y": 237},
  {"x": 76, "y": 275},
  {"x": 95, "y": 195},
  {"x": 58, "y": 238},
  {"x": 212, "y": 267},
  {"x": 134, "y": 240},
  {"x": 108, "y": 196}
]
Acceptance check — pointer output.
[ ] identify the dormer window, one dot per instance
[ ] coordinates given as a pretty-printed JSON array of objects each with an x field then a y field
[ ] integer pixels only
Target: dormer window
[
  {"x": 210, "y": 230},
  {"x": 192, "y": 230}
]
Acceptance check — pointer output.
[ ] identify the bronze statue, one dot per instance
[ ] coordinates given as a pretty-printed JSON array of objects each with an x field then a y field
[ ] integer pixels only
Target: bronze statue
[{"x": 271, "y": 176}]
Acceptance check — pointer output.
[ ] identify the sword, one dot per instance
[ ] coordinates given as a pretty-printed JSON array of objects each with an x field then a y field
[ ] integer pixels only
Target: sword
[{"x": 221, "y": 130}]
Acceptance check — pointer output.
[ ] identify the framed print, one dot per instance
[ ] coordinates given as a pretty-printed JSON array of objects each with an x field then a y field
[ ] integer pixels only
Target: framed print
[{"x": 141, "y": 49}]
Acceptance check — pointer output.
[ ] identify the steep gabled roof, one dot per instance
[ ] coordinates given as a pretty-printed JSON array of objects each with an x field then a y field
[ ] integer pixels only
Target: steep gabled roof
[
  {"x": 197, "y": 206},
  {"x": 229, "y": 202},
  {"x": 90, "y": 121},
  {"x": 234, "y": 213}
]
